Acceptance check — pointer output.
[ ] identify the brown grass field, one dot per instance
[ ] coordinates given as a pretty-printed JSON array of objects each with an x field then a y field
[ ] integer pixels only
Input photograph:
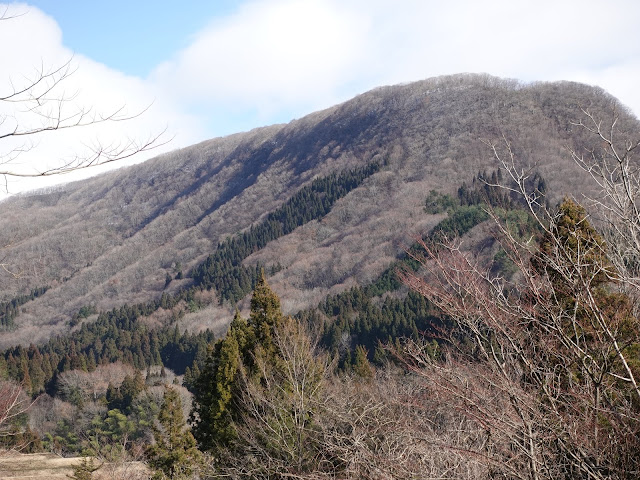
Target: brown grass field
[{"x": 17, "y": 466}]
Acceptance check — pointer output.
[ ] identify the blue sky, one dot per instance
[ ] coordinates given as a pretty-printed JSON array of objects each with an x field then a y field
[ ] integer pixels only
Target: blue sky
[
  {"x": 131, "y": 36},
  {"x": 202, "y": 69}
]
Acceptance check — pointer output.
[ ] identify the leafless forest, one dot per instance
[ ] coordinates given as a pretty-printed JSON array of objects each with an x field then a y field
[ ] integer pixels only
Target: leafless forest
[
  {"x": 113, "y": 239},
  {"x": 527, "y": 367}
]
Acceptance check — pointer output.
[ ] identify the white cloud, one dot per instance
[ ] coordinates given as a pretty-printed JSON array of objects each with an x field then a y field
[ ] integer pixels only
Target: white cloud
[
  {"x": 36, "y": 47},
  {"x": 272, "y": 60},
  {"x": 268, "y": 57},
  {"x": 528, "y": 40},
  {"x": 289, "y": 56}
]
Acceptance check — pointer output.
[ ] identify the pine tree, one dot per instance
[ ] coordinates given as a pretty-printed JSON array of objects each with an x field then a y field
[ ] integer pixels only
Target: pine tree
[
  {"x": 361, "y": 366},
  {"x": 265, "y": 317},
  {"x": 249, "y": 358},
  {"x": 277, "y": 432},
  {"x": 573, "y": 248},
  {"x": 214, "y": 387},
  {"x": 26, "y": 378},
  {"x": 265, "y": 310},
  {"x": 84, "y": 470},
  {"x": 174, "y": 454}
]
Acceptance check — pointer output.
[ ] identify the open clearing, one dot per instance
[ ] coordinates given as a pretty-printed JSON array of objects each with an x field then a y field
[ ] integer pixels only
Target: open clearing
[{"x": 16, "y": 466}]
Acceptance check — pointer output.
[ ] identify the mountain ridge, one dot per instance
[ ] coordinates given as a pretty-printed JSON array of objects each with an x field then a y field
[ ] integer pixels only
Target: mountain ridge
[{"x": 114, "y": 239}]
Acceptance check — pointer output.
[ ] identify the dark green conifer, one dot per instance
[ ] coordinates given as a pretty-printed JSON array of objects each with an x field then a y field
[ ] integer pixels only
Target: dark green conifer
[
  {"x": 265, "y": 315},
  {"x": 246, "y": 342},
  {"x": 361, "y": 366},
  {"x": 174, "y": 454},
  {"x": 84, "y": 470},
  {"x": 212, "y": 413},
  {"x": 573, "y": 243}
]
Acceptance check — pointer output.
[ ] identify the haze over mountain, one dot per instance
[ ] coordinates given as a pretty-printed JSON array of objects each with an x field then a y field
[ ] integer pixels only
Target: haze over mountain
[{"x": 130, "y": 235}]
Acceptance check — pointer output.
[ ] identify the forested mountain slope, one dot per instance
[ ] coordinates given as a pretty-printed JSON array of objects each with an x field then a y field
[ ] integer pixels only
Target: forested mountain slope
[{"x": 131, "y": 235}]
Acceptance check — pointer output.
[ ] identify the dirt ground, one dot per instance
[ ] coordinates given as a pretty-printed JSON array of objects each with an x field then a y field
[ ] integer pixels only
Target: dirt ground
[{"x": 16, "y": 466}]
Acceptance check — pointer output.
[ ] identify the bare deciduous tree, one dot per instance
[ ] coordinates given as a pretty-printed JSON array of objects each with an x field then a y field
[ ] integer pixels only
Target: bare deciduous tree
[
  {"x": 13, "y": 402},
  {"x": 393, "y": 428},
  {"x": 300, "y": 421},
  {"x": 615, "y": 168},
  {"x": 546, "y": 362}
]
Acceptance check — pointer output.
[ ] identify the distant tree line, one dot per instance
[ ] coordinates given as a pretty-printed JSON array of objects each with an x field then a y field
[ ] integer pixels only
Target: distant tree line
[{"x": 118, "y": 335}]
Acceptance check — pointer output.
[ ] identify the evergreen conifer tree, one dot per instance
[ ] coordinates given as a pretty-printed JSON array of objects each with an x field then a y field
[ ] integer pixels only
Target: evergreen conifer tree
[
  {"x": 265, "y": 311},
  {"x": 214, "y": 387},
  {"x": 84, "y": 469},
  {"x": 361, "y": 366},
  {"x": 174, "y": 454},
  {"x": 245, "y": 344}
]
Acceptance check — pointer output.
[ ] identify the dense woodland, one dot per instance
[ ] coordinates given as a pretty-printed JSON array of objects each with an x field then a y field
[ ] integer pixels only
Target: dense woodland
[
  {"x": 120, "y": 335},
  {"x": 500, "y": 342},
  {"x": 150, "y": 222}
]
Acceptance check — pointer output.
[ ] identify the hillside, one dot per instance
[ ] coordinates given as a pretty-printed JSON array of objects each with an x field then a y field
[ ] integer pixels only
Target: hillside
[{"x": 130, "y": 235}]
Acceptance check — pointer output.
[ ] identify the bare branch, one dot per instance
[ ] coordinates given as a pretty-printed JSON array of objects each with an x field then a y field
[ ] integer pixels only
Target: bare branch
[
  {"x": 544, "y": 361},
  {"x": 38, "y": 105}
]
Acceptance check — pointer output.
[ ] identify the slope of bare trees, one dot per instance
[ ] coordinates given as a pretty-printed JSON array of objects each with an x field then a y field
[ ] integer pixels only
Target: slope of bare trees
[
  {"x": 114, "y": 239},
  {"x": 547, "y": 362}
]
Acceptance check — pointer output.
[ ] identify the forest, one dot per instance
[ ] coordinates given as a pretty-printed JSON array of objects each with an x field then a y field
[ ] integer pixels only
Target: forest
[
  {"x": 375, "y": 381},
  {"x": 500, "y": 341}
]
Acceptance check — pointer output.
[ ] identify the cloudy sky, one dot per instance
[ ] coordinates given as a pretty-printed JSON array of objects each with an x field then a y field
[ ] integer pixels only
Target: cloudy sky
[{"x": 201, "y": 68}]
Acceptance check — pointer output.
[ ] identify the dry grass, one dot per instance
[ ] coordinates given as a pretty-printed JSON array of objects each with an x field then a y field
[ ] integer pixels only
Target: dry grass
[{"x": 18, "y": 466}]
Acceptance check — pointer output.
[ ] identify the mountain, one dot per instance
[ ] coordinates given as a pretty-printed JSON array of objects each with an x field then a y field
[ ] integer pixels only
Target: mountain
[{"x": 137, "y": 233}]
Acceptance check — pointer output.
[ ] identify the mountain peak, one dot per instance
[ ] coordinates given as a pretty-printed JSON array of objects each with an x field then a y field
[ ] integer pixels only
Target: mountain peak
[{"x": 122, "y": 237}]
